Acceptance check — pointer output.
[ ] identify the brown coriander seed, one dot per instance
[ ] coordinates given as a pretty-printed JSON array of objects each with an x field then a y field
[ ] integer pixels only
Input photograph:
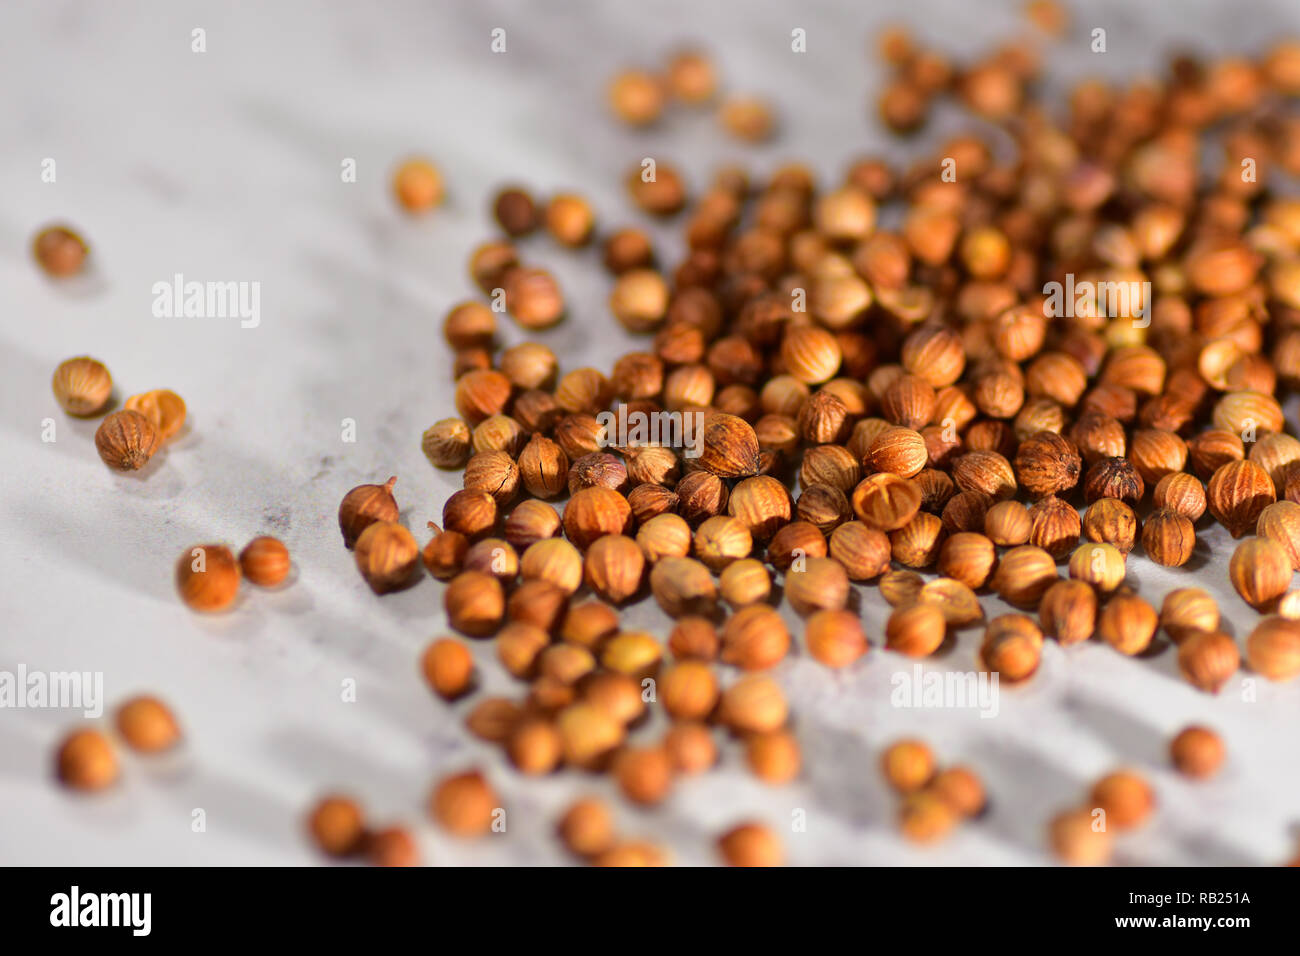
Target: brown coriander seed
[
  {"x": 418, "y": 185},
  {"x": 1012, "y": 648},
  {"x": 747, "y": 118},
  {"x": 1077, "y": 839},
  {"x": 753, "y": 704},
  {"x": 1260, "y": 571},
  {"x": 1113, "y": 478},
  {"x": 1168, "y": 538},
  {"x": 387, "y": 556},
  {"x": 773, "y": 756},
  {"x": 901, "y": 588},
  {"x": 924, "y": 817},
  {"x": 1101, "y": 565},
  {"x": 86, "y": 761},
  {"x": 553, "y": 560},
  {"x": 907, "y": 765},
  {"x": 529, "y": 522},
  {"x": 755, "y": 638},
  {"x": 515, "y": 211},
  {"x": 627, "y": 249},
  {"x": 683, "y": 586},
  {"x": 961, "y": 789},
  {"x": 1186, "y": 611},
  {"x": 587, "y": 827},
  {"x": 744, "y": 582},
  {"x": 751, "y": 844},
  {"x": 444, "y": 555},
  {"x": 59, "y": 251},
  {"x": 614, "y": 567},
  {"x": 1237, "y": 494},
  {"x": 337, "y": 825},
  {"x": 532, "y": 297},
  {"x": 1007, "y": 524},
  {"x": 794, "y": 543},
  {"x": 392, "y": 846},
  {"x": 721, "y": 540},
  {"x": 1273, "y": 649},
  {"x": 644, "y": 774},
  {"x": 535, "y": 747},
  {"x": 762, "y": 504},
  {"x": 689, "y": 690},
  {"x": 126, "y": 440},
  {"x": 569, "y": 219},
  {"x": 446, "y": 443},
  {"x": 886, "y": 502},
  {"x": 475, "y": 603},
  {"x": 1207, "y": 659},
  {"x": 164, "y": 409},
  {"x": 448, "y": 667},
  {"x": 1054, "y": 526},
  {"x": 664, "y": 536},
  {"x": 915, "y": 631},
  {"x": 265, "y": 561},
  {"x": 1126, "y": 798},
  {"x": 1068, "y": 612},
  {"x": 636, "y": 97},
  {"x": 1182, "y": 493},
  {"x": 1023, "y": 576},
  {"x": 588, "y": 624},
  {"x": 207, "y": 577},
  {"x": 639, "y": 300},
  {"x": 589, "y": 735},
  {"x": 1197, "y": 752},
  {"x": 864, "y": 552},
  {"x": 821, "y": 585},
  {"x": 1111, "y": 521},
  {"x": 1047, "y": 464},
  {"x": 694, "y": 638},
  {"x": 899, "y": 451},
  {"x": 917, "y": 543},
  {"x": 1280, "y": 523},
  {"x": 529, "y": 366},
  {"x": 464, "y": 804},
  {"x": 632, "y": 853},
  {"x": 82, "y": 386},
  {"x": 835, "y": 638},
  {"x": 366, "y": 504},
  {"x": 593, "y": 512},
  {"x": 958, "y": 603},
  {"x": 147, "y": 725},
  {"x": 1127, "y": 623}
]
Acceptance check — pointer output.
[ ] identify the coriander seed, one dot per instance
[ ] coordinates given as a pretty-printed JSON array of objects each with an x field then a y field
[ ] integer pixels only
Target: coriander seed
[
  {"x": 464, "y": 804},
  {"x": 1207, "y": 659},
  {"x": 366, "y": 504},
  {"x": 147, "y": 725},
  {"x": 126, "y": 440},
  {"x": 85, "y": 761},
  {"x": 1197, "y": 752},
  {"x": 750, "y": 844},
  {"x": 207, "y": 577},
  {"x": 337, "y": 825},
  {"x": 448, "y": 667},
  {"x": 475, "y": 603},
  {"x": 82, "y": 386}
]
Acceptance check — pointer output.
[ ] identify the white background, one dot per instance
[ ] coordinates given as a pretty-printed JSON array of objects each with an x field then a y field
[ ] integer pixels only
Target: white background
[{"x": 225, "y": 166}]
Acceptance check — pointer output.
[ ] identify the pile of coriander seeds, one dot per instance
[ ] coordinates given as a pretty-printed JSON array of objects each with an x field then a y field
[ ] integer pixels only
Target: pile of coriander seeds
[{"x": 1074, "y": 347}]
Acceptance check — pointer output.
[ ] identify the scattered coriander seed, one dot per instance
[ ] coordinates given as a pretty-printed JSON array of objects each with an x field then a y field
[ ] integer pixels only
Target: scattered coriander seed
[
  {"x": 1111, "y": 521},
  {"x": 85, "y": 761},
  {"x": 587, "y": 827},
  {"x": 721, "y": 540},
  {"x": 1273, "y": 649},
  {"x": 540, "y": 603},
  {"x": 1237, "y": 494},
  {"x": 835, "y": 638},
  {"x": 691, "y": 77},
  {"x": 1068, "y": 612},
  {"x": 925, "y": 817},
  {"x": 694, "y": 638},
  {"x": 589, "y": 735},
  {"x": 968, "y": 558},
  {"x": 1181, "y": 493},
  {"x": 532, "y": 297},
  {"x": 1187, "y": 611},
  {"x": 1126, "y": 798},
  {"x": 464, "y": 804},
  {"x": 1127, "y": 623},
  {"x": 392, "y": 846},
  {"x": 366, "y": 504},
  {"x": 747, "y": 119},
  {"x": 639, "y": 300},
  {"x": 614, "y": 567},
  {"x": 387, "y": 556},
  {"x": 886, "y": 502},
  {"x": 751, "y": 844},
  {"x": 1280, "y": 523},
  {"x": 1260, "y": 571},
  {"x": 535, "y": 746},
  {"x": 59, "y": 251},
  {"x": 444, "y": 555},
  {"x": 636, "y": 97},
  {"x": 553, "y": 560},
  {"x": 1168, "y": 538},
  {"x": 265, "y": 561},
  {"x": 616, "y": 695},
  {"x": 529, "y": 522},
  {"x": 147, "y": 725},
  {"x": 901, "y": 588},
  {"x": 515, "y": 211},
  {"x": 773, "y": 756},
  {"x": 635, "y": 654},
  {"x": 744, "y": 582},
  {"x": 864, "y": 552},
  {"x": 755, "y": 638},
  {"x": 753, "y": 704},
  {"x": 644, "y": 774},
  {"x": 961, "y": 789},
  {"x": 822, "y": 585},
  {"x": 1007, "y": 524},
  {"x": 448, "y": 667},
  {"x": 418, "y": 185},
  {"x": 337, "y": 826},
  {"x": 475, "y": 603},
  {"x": 1207, "y": 659},
  {"x": 1197, "y": 752},
  {"x": 595, "y": 511},
  {"x": 915, "y": 631},
  {"x": 1012, "y": 648},
  {"x": 683, "y": 586},
  {"x": 1023, "y": 576},
  {"x": 908, "y": 765},
  {"x": 632, "y": 853},
  {"x": 126, "y": 440},
  {"x": 1101, "y": 565},
  {"x": 207, "y": 577},
  {"x": 82, "y": 386},
  {"x": 1076, "y": 838},
  {"x": 569, "y": 219}
]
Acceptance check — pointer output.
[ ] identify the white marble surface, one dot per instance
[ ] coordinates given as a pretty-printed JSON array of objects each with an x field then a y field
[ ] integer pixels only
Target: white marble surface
[{"x": 225, "y": 166}]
